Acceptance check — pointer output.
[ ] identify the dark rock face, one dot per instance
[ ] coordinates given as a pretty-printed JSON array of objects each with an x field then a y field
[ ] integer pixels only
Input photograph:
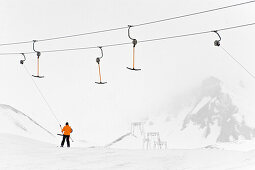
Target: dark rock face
[{"x": 218, "y": 110}]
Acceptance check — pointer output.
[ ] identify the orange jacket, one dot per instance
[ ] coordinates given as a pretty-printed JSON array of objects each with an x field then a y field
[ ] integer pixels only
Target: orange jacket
[{"x": 67, "y": 130}]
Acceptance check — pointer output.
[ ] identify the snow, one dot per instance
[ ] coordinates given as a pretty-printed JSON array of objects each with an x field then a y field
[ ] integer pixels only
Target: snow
[
  {"x": 26, "y": 144},
  {"x": 16, "y": 122},
  {"x": 203, "y": 102},
  {"x": 129, "y": 141},
  {"x": 20, "y": 153}
]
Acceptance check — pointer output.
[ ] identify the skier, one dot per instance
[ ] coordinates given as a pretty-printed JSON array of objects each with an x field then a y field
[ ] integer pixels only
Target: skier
[{"x": 66, "y": 135}]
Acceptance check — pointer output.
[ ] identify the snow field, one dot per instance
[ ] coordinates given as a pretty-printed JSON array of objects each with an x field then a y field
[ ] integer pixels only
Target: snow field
[{"x": 21, "y": 153}]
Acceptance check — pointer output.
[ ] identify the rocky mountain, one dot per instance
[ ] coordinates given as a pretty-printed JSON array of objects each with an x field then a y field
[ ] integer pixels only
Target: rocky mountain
[
  {"x": 214, "y": 107},
  {"x": 203, "y": 116}
]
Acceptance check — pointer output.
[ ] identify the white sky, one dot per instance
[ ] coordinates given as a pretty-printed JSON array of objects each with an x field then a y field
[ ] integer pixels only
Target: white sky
[{"x": 168, "y": 67}]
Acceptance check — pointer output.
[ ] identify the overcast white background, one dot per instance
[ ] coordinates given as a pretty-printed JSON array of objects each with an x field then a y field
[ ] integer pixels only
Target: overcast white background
[{"x": 169, "y": 67}]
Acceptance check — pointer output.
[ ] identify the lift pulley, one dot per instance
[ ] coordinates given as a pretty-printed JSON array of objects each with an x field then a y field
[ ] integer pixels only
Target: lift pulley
[
  {"x": 217, "y": 42},
  {"x": 98, "y": 62},
  {"x": 22, "y": 61},
  {"x": 134, "y": 41},
  {"x": 38, "y": 57}
]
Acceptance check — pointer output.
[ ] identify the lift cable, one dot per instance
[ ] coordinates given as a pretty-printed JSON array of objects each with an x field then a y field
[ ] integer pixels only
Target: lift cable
[
  {"x": 239, "y": 63},
  {"x": 192, "y": 14},
  {"x": 137, "y": 25},
  {"x": 38, "y": 89},
  {"x": 142, "y": 41},
  {"x": 16, "y": 43},
  {"x": 43, "y": 97},
  {"x": 218, "y": 44},
  {"x": 197, "y": 33},
  {"x": 83, "y": 34}
]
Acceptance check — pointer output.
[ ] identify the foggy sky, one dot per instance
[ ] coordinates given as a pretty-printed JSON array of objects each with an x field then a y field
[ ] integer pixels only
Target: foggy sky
[{"x": 169, "y": 67}]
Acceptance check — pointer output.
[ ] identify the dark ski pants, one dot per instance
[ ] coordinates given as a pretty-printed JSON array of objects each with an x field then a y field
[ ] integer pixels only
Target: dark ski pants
[{"x": 65, "y": 137}]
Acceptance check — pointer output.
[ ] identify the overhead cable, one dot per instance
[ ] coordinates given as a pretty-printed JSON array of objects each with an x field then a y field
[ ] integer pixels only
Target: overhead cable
[
  {"x": 141, "y": 41},
  {"x": 136, "y": 25},
  {"x": 192, "y": 14}
]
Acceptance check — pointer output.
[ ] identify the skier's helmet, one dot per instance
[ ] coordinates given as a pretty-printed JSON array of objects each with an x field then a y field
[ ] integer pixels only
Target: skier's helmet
[{"x": 66, "y": 123}]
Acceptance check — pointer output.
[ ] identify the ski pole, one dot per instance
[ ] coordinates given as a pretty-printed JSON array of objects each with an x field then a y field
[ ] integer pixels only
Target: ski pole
[{"x": 71, "y": 138}]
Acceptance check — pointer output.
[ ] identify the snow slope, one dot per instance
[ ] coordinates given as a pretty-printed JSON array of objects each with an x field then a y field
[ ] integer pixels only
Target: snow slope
[
  {"x": 128, "y": 140},
  {"x": 16, "y": 122},
  {"x": 20, "y": 153}
]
